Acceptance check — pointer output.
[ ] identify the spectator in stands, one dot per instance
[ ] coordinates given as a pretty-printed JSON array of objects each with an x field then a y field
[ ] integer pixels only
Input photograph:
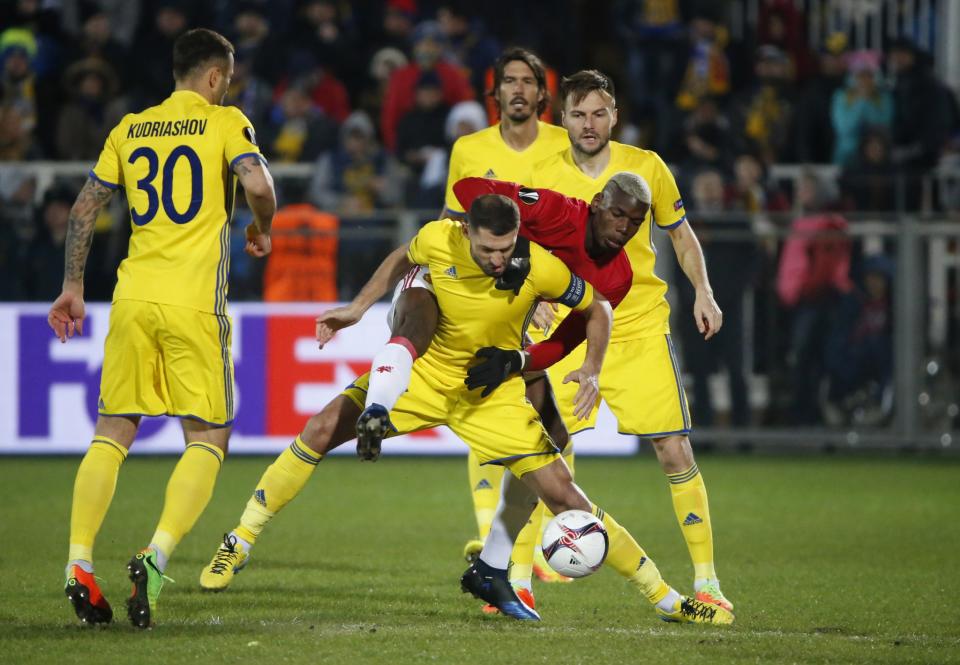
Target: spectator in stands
[
  {"x": 91, "y": 112},
  {"x": 814, "y": 125},
  {"x": 924, "y": 109},
  {"x": 352, "y": 182},
  {"x": 17, "y": 188},
  {"x": 16, "y": 135},
  {"x": 420, "y": 136},
  {"x": 42, "y": 276},
  {"x": 18, "y": 96},
  {"x": 254, "y": 41},
  {"x": 299, "y": 131},
  {"x": 780, "y": 23},
  {"x": 155, "y": 72},
  {"x": 326, "y": 91},
  {"x": 766, "y": 110},
  {"x": 382, "y": 65},
  {"x": 468, "y": 42},
  {"x": 814, "y": 286},
  {"x": 861, "y": 371},
  {"x": 705, "y": 142},
  {"x": 464, "y": 118},
  {"x": 654, "y": 39},
  {"x": 861, "y": 105},
  {"x": 395, "y": 27},
  {"x": 249, "y": 93},
  {"x": 97, "y": 38},
  {"x": 401, "y": 89},
  {"x": 869, "y": 181},
  {"x": 750, "y": 190},
  {"x": 120, "y": 17},
  {"x": 320, "y": 29},
  {"x": 707, "y": 71},
  {"x": 730, "y": 252},
  {"x": 358, "y": 176}
]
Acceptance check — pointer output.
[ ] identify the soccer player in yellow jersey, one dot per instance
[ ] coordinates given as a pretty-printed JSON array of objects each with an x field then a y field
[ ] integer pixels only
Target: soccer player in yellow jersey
[
  {"x": 509, "y": 149},
  {"x": 506, "y": 151},
  {"x": 167, "y": 350},
  {"x": 640, "y": 345},
  {"x": 501, "y": 426}
]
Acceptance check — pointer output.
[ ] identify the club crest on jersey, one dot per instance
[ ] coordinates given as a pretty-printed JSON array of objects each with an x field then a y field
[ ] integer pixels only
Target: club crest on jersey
[
  {"x": 250, "y": 135},
  {"x": 451, "y": 272},
  {"x": 529, "y": 196},
  {"x": 489, "y": 174}
]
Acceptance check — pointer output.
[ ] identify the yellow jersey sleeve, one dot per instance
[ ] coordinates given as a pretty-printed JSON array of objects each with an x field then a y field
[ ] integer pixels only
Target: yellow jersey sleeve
[
  {"x": 668, "y": 210},
  {"x": 420, "y": 248},
  {"x": 552, "y": 280},
  {"x": 453, "y": 175},
  {"x": 108, "y": 171},
  {"x": 239, "y": 139}
]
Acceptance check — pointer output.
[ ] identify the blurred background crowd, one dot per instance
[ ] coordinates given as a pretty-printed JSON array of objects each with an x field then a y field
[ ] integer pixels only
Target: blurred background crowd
[{"x": 807, "y": 137}]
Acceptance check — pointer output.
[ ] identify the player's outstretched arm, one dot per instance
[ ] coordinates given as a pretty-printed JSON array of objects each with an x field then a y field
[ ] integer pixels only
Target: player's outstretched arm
[
  {"x": 599, "y": 323},
  {"x": 384, "y": 278},
  {"x": 68, "y": 311},
  {"x": 706, "y": 312},
  {"x": 262, "y": 199}
]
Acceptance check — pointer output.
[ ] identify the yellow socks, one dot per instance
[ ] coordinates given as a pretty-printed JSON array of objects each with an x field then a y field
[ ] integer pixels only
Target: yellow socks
[
  {"x": 92, "y": 493},
  {"x": 627, "y": 558},
  {"x": 280, "y": 483},
  {"x": 188, "y": 492},
  {"x": 521, "y": 559},
  {"x": 485, "y": 487},
  {"x": 693, "y": 515}
]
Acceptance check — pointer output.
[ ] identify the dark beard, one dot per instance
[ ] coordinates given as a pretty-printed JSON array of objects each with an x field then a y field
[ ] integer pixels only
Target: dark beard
[
  {"x": 520, "y": 117},
  {"x": 585, "y": 153}
]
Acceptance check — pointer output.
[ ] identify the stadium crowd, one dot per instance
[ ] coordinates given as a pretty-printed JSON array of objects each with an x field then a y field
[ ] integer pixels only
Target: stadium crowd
[{"x": 373, "y": 94}]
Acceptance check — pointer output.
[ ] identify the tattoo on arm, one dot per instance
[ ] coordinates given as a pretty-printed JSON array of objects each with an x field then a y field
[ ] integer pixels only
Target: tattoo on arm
[
  {"x": 83, "y": 215},
  {"x": 246, "y": 165}
]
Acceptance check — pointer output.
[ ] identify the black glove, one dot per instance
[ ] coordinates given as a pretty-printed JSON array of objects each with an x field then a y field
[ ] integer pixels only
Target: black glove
[
  {"x": 497, "y": 365},
  {"x": 518, "y": 268}
]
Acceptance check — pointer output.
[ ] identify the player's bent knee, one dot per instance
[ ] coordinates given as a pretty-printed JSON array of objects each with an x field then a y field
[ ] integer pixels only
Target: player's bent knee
[
  {"x": 332, "y": 427},
  {"x": 416, "y": 317}
]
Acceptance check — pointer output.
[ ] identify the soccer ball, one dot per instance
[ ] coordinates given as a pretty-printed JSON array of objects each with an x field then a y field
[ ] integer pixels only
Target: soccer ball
[{"x": 575, "y": 543}]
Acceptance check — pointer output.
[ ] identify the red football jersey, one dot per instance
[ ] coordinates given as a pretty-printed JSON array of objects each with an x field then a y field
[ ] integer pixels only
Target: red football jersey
[{"x": 558, "y": 223}]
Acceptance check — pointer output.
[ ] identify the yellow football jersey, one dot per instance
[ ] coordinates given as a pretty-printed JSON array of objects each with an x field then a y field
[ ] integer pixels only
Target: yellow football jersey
[
  {"x": 644, "y": 312},
  {"x": 484, "y": 154},
  {"x": 473, "y": 312},
  {"x": 174, "y": 161}
]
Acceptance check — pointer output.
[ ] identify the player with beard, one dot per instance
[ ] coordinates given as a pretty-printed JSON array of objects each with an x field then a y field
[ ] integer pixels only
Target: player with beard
[
  {"x": 640, "y": 345},
  {"x": 505, "y": 151}
]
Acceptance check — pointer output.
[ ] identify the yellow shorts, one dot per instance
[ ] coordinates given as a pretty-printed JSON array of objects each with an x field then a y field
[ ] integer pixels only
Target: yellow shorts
[
  {"x": 167, "y": 360},
  {"x": 640, "y": 382},
  {"x": 503, "y": 428}
]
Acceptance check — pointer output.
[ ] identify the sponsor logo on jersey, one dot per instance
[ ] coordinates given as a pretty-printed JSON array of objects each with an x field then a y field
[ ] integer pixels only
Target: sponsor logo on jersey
[
  {"x": 250, "y": 135},
  {"x": 529, "y": 196},
  {"x": 451, "y": 272},
  {"x": 678, "y": 204},
  {"x": 484, "y": 484},
  {"x": 489, "y": 174}
]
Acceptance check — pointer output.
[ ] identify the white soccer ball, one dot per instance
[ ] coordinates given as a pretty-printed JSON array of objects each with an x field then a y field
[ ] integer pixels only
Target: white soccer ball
[{"x": 575, "y": 543}]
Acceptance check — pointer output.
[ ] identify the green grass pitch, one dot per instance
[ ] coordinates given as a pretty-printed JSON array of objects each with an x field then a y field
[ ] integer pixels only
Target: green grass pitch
[{"x": 828, "y": 559}]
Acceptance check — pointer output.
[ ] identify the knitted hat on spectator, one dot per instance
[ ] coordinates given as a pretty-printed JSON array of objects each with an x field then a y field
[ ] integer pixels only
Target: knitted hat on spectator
[{"x": 18, "y": 38}]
